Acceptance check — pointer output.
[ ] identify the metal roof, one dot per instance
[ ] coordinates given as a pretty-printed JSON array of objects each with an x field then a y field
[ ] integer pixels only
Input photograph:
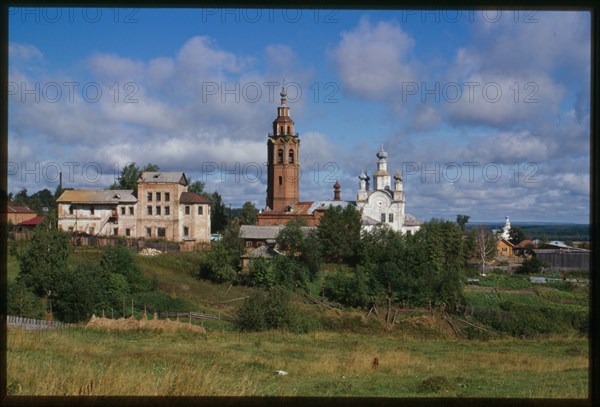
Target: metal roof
[
  {"x": 166, "y": 177},
  {"x": 32, "y": 222},
  {"x": 265, "y": 232},
  {"x": 18, "y": 209},
  {"x": 97, "y": 196},
  {"x": 193, "y": 198},
  {"x": 410, "y": 220}
]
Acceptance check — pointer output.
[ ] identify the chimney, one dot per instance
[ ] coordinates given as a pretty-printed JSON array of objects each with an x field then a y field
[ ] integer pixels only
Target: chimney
[{"x": 336, "y": 191}]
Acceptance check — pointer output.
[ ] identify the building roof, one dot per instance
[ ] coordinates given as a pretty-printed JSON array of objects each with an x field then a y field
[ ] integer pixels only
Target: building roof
[
  {"x": 97, "y": 196},
  {"x": 18, "y": 209},
  {"x": 32, "y": 222},
  {"x": 369, "y": 221},
  {"x": 163, "y": 177},
  {"x": 193, "y": 198},
  {"x": 410, "y": 220},
  {"x": 506, "y": 241},
  {"x": 266, "y": 232},
  {"x": 524, "y": 243},
  {"x": 262, "y": 251}
]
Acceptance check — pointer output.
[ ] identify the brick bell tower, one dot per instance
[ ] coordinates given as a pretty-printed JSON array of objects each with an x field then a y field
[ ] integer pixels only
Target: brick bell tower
[{"x": 283, "y": 170}]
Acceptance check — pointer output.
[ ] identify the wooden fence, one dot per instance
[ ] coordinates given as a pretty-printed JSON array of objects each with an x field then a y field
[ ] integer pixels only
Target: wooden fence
[
  {"x": 138, "y": 244},
  {"x": 34, "y": 324},
  {"x": 193, "y": 315}
]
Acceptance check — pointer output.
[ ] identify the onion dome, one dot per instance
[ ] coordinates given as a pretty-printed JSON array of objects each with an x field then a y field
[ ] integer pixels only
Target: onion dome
[
  {"x": 397, "y": 176},
  {"x": 381, "y": 154}
]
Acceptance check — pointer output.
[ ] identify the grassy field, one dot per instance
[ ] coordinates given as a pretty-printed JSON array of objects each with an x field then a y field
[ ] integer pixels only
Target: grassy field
[
  {"x": 77, "y": 361},
  {"x": 419, "y": 356}
]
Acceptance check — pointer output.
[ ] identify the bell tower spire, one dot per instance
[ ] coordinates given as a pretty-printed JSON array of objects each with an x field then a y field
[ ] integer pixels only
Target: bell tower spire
[{"x": 283, "y": 148}]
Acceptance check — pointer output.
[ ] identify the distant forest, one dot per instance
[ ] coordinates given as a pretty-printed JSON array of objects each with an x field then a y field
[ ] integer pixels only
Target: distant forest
[{"x": 563, "y": 232}]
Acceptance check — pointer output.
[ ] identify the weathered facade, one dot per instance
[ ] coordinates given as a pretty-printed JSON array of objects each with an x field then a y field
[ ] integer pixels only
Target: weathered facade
[
  {"x": 167, "y": 210},
  {"x": 98, "y": 212},
  {"x": 16, "y": 214},
  {"x": 161, "y": 208}
]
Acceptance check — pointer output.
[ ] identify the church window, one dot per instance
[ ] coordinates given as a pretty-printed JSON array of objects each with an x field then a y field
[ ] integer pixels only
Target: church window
[
  {"x": 391, "y": 217},
  {"x": 280, "y": 157},
  {"x": 383, "y": 217},
  {"x": 280, "y": 129},
  {"x": 280, "y": 180},
  {"x": 289, "y": 130},
  {"x": 291, "y": 157}
]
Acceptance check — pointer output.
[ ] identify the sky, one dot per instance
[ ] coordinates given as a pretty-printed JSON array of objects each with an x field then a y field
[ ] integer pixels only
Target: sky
[{"x": 485, "y": 113}]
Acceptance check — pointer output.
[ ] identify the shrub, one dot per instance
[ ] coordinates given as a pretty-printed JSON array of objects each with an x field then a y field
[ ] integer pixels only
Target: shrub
[
  {"x": 531, "y": 266},
  {"x": 271, "y": 309},
  {"x": 349, "y": 288},
  {"x": 22, "y": 302}
]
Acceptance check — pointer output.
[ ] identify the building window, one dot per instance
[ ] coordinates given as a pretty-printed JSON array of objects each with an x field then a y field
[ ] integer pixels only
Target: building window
[
  {"x": 280, "y": 180},
  {"x": 383, "y": 218},
  {"x": 291, "y": 157},
  {"x": 71, "y": 210},
  {"x": 131, "y": 210},
  {"x": 158, "y": 197},
  {"x": 186, "y": 231},
  {"x": 70, "y": 229},
  {"x": 92, "y": 211},
  {"x": 248, "y": 243},
  {"x": 127, "y": 232},
  {"x": 122, "y": 210},
  {"x": 187, "y": 210},
  {"x": 149, "y": 209},
  {"x": 91, "y": 231},
  {"x": 167, "y": 196},
  {"x": 161, "y": 232},
  {"x": 116, "y": 231},
  {"x": 158, "y": 210},
  {"x": 391, "y": 217},
  {"x": 289, "y": 130},
  {"x": 149, "y": 232},
  {"x": 167, "y": 210},
  {"x": 280, "y": 156},
  {"x": 149, "y": 196},
  {"x": 200, "y": 210}
]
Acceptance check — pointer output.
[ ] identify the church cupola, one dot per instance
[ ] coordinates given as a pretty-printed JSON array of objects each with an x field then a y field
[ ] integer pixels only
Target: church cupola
[
  {"x": 381, "y": 177},
  {"x": 336, "y": 191},
  {"x": 283, "y": 124},
  {"x": 397, "y": 181}
]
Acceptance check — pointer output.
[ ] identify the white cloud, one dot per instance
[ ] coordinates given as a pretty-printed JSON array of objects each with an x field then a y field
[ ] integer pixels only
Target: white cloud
[
  {"x": 374, "y": 60},
  {"x": 23, "y": 52}
]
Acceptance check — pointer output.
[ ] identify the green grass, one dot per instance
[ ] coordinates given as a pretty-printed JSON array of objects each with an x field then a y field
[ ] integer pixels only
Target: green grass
[
  {"x": 319, "y": 364},
  {"x": 175, "y": 276}
]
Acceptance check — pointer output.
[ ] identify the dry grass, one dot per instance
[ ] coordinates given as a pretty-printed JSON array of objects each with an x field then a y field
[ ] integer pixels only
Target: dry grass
[
  {"x": 132, "y": 324},
  {"x": 180, "y": 362}
]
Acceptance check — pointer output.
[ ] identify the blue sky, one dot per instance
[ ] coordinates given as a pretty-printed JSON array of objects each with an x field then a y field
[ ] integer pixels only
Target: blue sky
[{"x": 484, "y": 113}]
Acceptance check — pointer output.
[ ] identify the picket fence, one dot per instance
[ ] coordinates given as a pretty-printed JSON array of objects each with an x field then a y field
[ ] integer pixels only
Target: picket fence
[{"x": 34, "y": 324}]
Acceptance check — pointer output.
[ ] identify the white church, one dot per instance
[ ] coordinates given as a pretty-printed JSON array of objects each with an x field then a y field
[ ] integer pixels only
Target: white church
[{"x": 382, "y": 204}]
